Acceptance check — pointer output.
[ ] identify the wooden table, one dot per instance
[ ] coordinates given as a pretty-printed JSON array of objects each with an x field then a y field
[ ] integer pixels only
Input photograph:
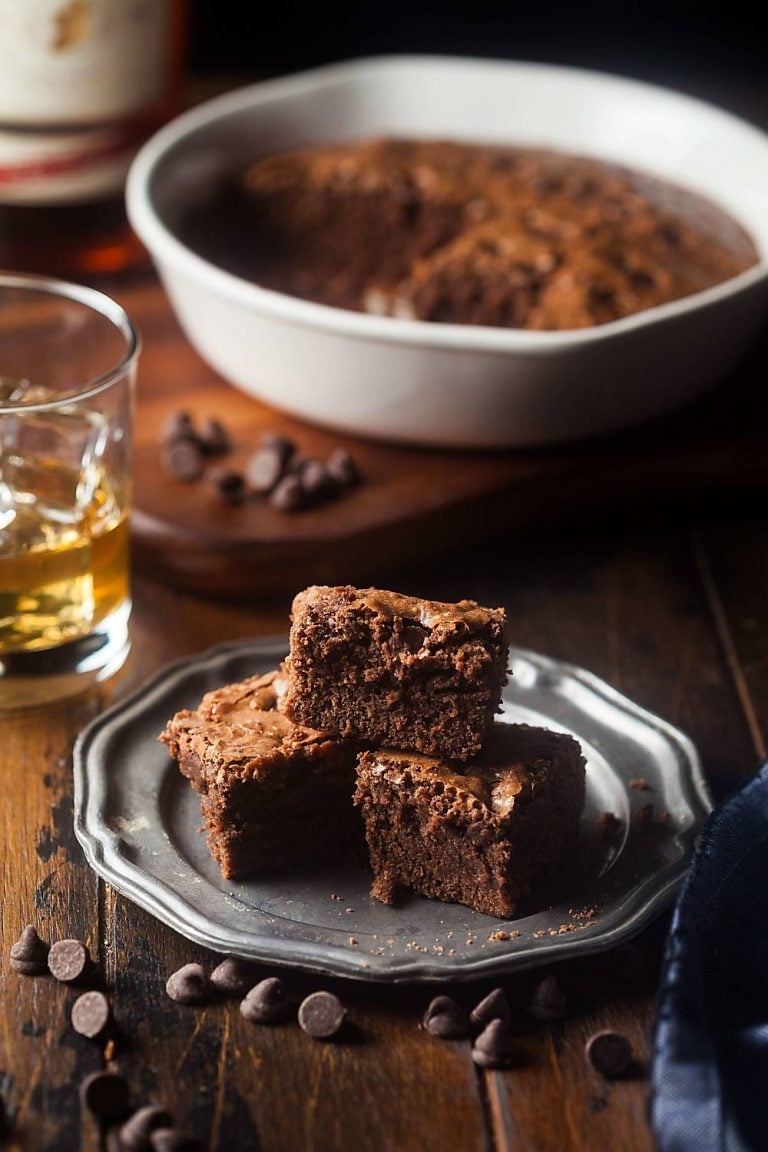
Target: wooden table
[{"x": 667, "y": 602}]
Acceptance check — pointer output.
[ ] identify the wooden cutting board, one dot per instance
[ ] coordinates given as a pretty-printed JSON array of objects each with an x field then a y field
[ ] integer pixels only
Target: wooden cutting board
[{"x": 414, "y": 502}]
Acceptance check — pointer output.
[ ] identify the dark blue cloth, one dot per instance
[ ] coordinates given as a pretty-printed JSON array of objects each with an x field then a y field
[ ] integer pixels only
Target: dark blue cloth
[{"x": 710, "y": 1071}]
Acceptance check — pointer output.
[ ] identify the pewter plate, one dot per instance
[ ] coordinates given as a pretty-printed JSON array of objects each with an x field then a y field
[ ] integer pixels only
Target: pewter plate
[{"x": 139, "y": 823}]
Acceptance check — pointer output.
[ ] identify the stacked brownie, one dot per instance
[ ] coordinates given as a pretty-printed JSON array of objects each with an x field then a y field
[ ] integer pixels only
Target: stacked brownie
[{"x": 400, "y": 693}]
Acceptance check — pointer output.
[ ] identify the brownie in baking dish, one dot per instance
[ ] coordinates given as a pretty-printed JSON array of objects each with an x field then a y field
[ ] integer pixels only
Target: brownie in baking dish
[
  {"x": 395, "y": 670},
  {"x": 482, "y": 834},
  {"x": 274, "y": 795}
]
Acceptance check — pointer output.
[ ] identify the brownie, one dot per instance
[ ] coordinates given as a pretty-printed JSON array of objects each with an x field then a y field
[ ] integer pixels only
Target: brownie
[
  {"x": 274, "y": 795},
  {"x": 479, "y": 234},
  {"x": 394, "y": 670},
  {"x": 481, "y": 834}
]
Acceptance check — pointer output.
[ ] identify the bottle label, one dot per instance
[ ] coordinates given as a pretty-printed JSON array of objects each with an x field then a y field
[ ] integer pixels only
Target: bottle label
[{"x": 75, "y": 78}]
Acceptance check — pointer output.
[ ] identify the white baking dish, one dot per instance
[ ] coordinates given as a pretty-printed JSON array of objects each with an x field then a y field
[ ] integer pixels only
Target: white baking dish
[{"x": 449, "y": 384}]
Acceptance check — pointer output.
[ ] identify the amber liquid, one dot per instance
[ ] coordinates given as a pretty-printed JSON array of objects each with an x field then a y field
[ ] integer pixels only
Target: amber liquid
[{"x": 62, "y": 570}]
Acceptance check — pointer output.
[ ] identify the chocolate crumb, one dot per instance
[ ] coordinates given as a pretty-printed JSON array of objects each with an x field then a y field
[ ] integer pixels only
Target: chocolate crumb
[
  {"x": 645, "y": 816},
  {"x": 640, "y": 785},
  {"x": 189, "y": 985},
  {"x": 68, "y": 960},
  {"x": 29, "y": 955},
  {"x": 91, "y": 1015},
  {"x": 494, "y": 1006},
  {"x": 321, "y": 1015},
  {"x": 609, "y": 826},
  {"x": 495, "y": 1048},
  {"x": 498, "y": 936},
  {"x": 135, "y": 1133},
  {"x": 445, "y": 1019},
  {"x": 267, "y": 1002},
  {"x": 106, "y": 1095},
  {"x": 609, "y": 1053}
]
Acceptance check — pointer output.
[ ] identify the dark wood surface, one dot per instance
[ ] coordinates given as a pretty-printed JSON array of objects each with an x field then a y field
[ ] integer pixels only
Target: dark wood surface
[
  {"x": 414, "y": 501},
  {"x": 665, "y": 599}
]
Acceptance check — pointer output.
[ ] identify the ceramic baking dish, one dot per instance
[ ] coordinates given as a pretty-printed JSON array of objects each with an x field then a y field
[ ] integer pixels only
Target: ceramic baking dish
[{"x": 447, "y": 384}]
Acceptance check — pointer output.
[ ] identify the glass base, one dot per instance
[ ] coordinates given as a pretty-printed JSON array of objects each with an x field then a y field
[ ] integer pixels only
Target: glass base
[{"x": 32, "y": 679}]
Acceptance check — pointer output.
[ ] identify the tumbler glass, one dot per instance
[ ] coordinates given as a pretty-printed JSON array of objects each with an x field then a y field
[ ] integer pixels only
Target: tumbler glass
[{"x": 68, "y": 359}]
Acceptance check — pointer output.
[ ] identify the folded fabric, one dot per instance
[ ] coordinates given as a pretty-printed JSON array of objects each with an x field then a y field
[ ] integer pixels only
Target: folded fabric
[{"x": 710, "y": 1070}]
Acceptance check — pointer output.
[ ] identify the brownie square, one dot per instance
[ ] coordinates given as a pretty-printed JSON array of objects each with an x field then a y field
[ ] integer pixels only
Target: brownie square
[
  {"x": 274, "y": 795},
  {"x": 482, "y": 834},
  {"x": 394, "y": 670}
]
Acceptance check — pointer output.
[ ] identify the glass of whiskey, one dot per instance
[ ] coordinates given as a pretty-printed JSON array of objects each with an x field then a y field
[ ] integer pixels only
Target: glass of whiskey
[{"x": 68, "y": 358}]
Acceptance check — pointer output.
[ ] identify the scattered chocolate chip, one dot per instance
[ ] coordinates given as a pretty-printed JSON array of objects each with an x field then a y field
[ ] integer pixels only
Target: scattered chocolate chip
[
  {"x": 281, "y": 444},
  {"x": 288, "y": 495},
  {"x": 321, "y": 1015},
  {"x": 106, "y": 1095},
  {"x": 233, "y": 977},
  {"x": 68, "y": 960},
  {"x": 264, "y": 469},
  {"x": 547, "y": 1000},
  {"x": 495, "y": 1048},
  {"x": 171, "y": 1140},
  {"x": 229, "y": 485},
  {"x": 494, "y": 1006},
  {"x": 343, "y": 469},
  {"x": 29, "y": 955},
  {"x": 179, "y": 425},
  {"x": 91, "y": 1014},
  {"x": 267, "y": 1002},
  {"x": 189, "y": 985},
  {"x": 214, "y": 439},
  {"x": 316, "y": 481},
  {"x": 445, "y": 1019},
  {"x": 135, "y": 1133},
  {"x": 183, "y": 459},
  {"x": 609, "y": 1053}
]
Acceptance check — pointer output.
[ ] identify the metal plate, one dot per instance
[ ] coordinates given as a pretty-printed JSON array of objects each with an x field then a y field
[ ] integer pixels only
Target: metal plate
[{"x": 139, "y": 823}]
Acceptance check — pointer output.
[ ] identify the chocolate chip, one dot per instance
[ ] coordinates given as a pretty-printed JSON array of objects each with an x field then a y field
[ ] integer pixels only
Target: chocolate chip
[
  {"x": 609, "y": 1053},
  {"x": 229, "y": 485},
  {"x": 267, "y": 1002},
  {"x": 189, "y": 985},
  {"x": 171, "y": 1140},
  {"x": 29, "y": 955},
  {"x": 343, "y": 469},
  {"x": 281, "y": 444},
  {"x": 106, "y": 1095},
  {"x": 316, "y": 481},
  {"x": 214, "y": 439},
  {"x": 68, "y": 960},
  {"x": 264, "y": 469},
  {"x": 495, "y": 1048},
  {"x": 321, "y": 1015},
  {"x": 91, "y": 1014},
  {"x": 183, "y": 459},
  {"x": 179, "y": 425},
  {"x": 288, "y": 495},
  {"x": 494, "y": 1006},
  {"x": 445, "y": 1019},
  {"x": 233, "y": 977},
  {"x": 135, "y": 1133},
  {"x": 547, "y": 1002}
]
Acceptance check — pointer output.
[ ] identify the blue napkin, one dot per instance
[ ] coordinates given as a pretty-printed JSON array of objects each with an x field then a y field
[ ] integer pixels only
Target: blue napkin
[{"x": 710, "y": 1071}]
